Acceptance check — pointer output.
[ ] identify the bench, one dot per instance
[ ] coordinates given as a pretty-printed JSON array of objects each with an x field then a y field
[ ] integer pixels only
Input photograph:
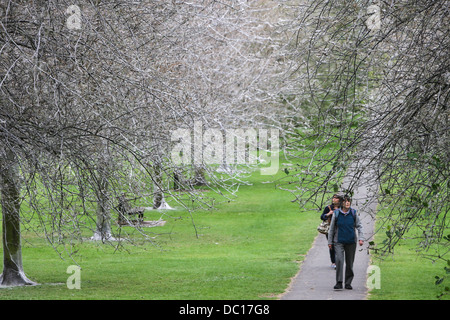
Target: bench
[{"x": 125, "y": 211}]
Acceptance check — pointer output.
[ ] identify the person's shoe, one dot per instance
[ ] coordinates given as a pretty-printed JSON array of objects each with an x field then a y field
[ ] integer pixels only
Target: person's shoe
[
  {"x": 338, "y": 286},
  {"x": 349, "y": 287}
]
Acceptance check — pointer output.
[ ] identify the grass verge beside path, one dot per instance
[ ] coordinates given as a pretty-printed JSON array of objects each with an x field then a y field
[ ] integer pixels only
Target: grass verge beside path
[
  {"x": 246, "y": 249},
  {"x": 407, "y": 275}
]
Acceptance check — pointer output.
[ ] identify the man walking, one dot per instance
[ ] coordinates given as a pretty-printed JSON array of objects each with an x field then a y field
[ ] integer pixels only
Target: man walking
[{"x": 342, "y": 236}]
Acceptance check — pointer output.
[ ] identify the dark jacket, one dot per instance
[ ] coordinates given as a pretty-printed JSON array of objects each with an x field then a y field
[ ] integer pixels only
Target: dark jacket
[{"x": 327, "y": 209}]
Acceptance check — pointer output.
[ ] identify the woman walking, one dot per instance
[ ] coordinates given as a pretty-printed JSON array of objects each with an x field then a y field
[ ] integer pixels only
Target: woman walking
[
  {"x": 343, "y": 238},
  {"x": 336, "y": 203}
]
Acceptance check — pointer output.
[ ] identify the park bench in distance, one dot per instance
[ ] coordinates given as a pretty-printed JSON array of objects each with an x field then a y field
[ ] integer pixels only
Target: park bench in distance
[{"x": 125, "y": 211}]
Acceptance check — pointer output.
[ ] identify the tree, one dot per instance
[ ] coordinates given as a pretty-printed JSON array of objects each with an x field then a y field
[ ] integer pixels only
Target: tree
[
  {"x": 378, "y": 92},
  {"x": 70, "y": 107},
  {"x": 91, "y": 92}
]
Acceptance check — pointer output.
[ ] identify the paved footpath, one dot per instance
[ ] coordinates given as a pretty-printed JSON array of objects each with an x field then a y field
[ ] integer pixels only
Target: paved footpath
[{"x": 316, "y": 278}]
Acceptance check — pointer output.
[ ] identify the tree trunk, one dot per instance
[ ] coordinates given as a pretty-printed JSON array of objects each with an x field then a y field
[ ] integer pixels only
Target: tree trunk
[
  {"x": 13, "y": 274},
  {"x": 157, "y": 187},
  {"x": 103, "y": 225}
]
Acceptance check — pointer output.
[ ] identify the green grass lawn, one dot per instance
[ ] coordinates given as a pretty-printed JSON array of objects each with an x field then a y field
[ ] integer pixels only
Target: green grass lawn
[
  {"x": 407, "y": 274},
  {"x": 249, "y": 248}
]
